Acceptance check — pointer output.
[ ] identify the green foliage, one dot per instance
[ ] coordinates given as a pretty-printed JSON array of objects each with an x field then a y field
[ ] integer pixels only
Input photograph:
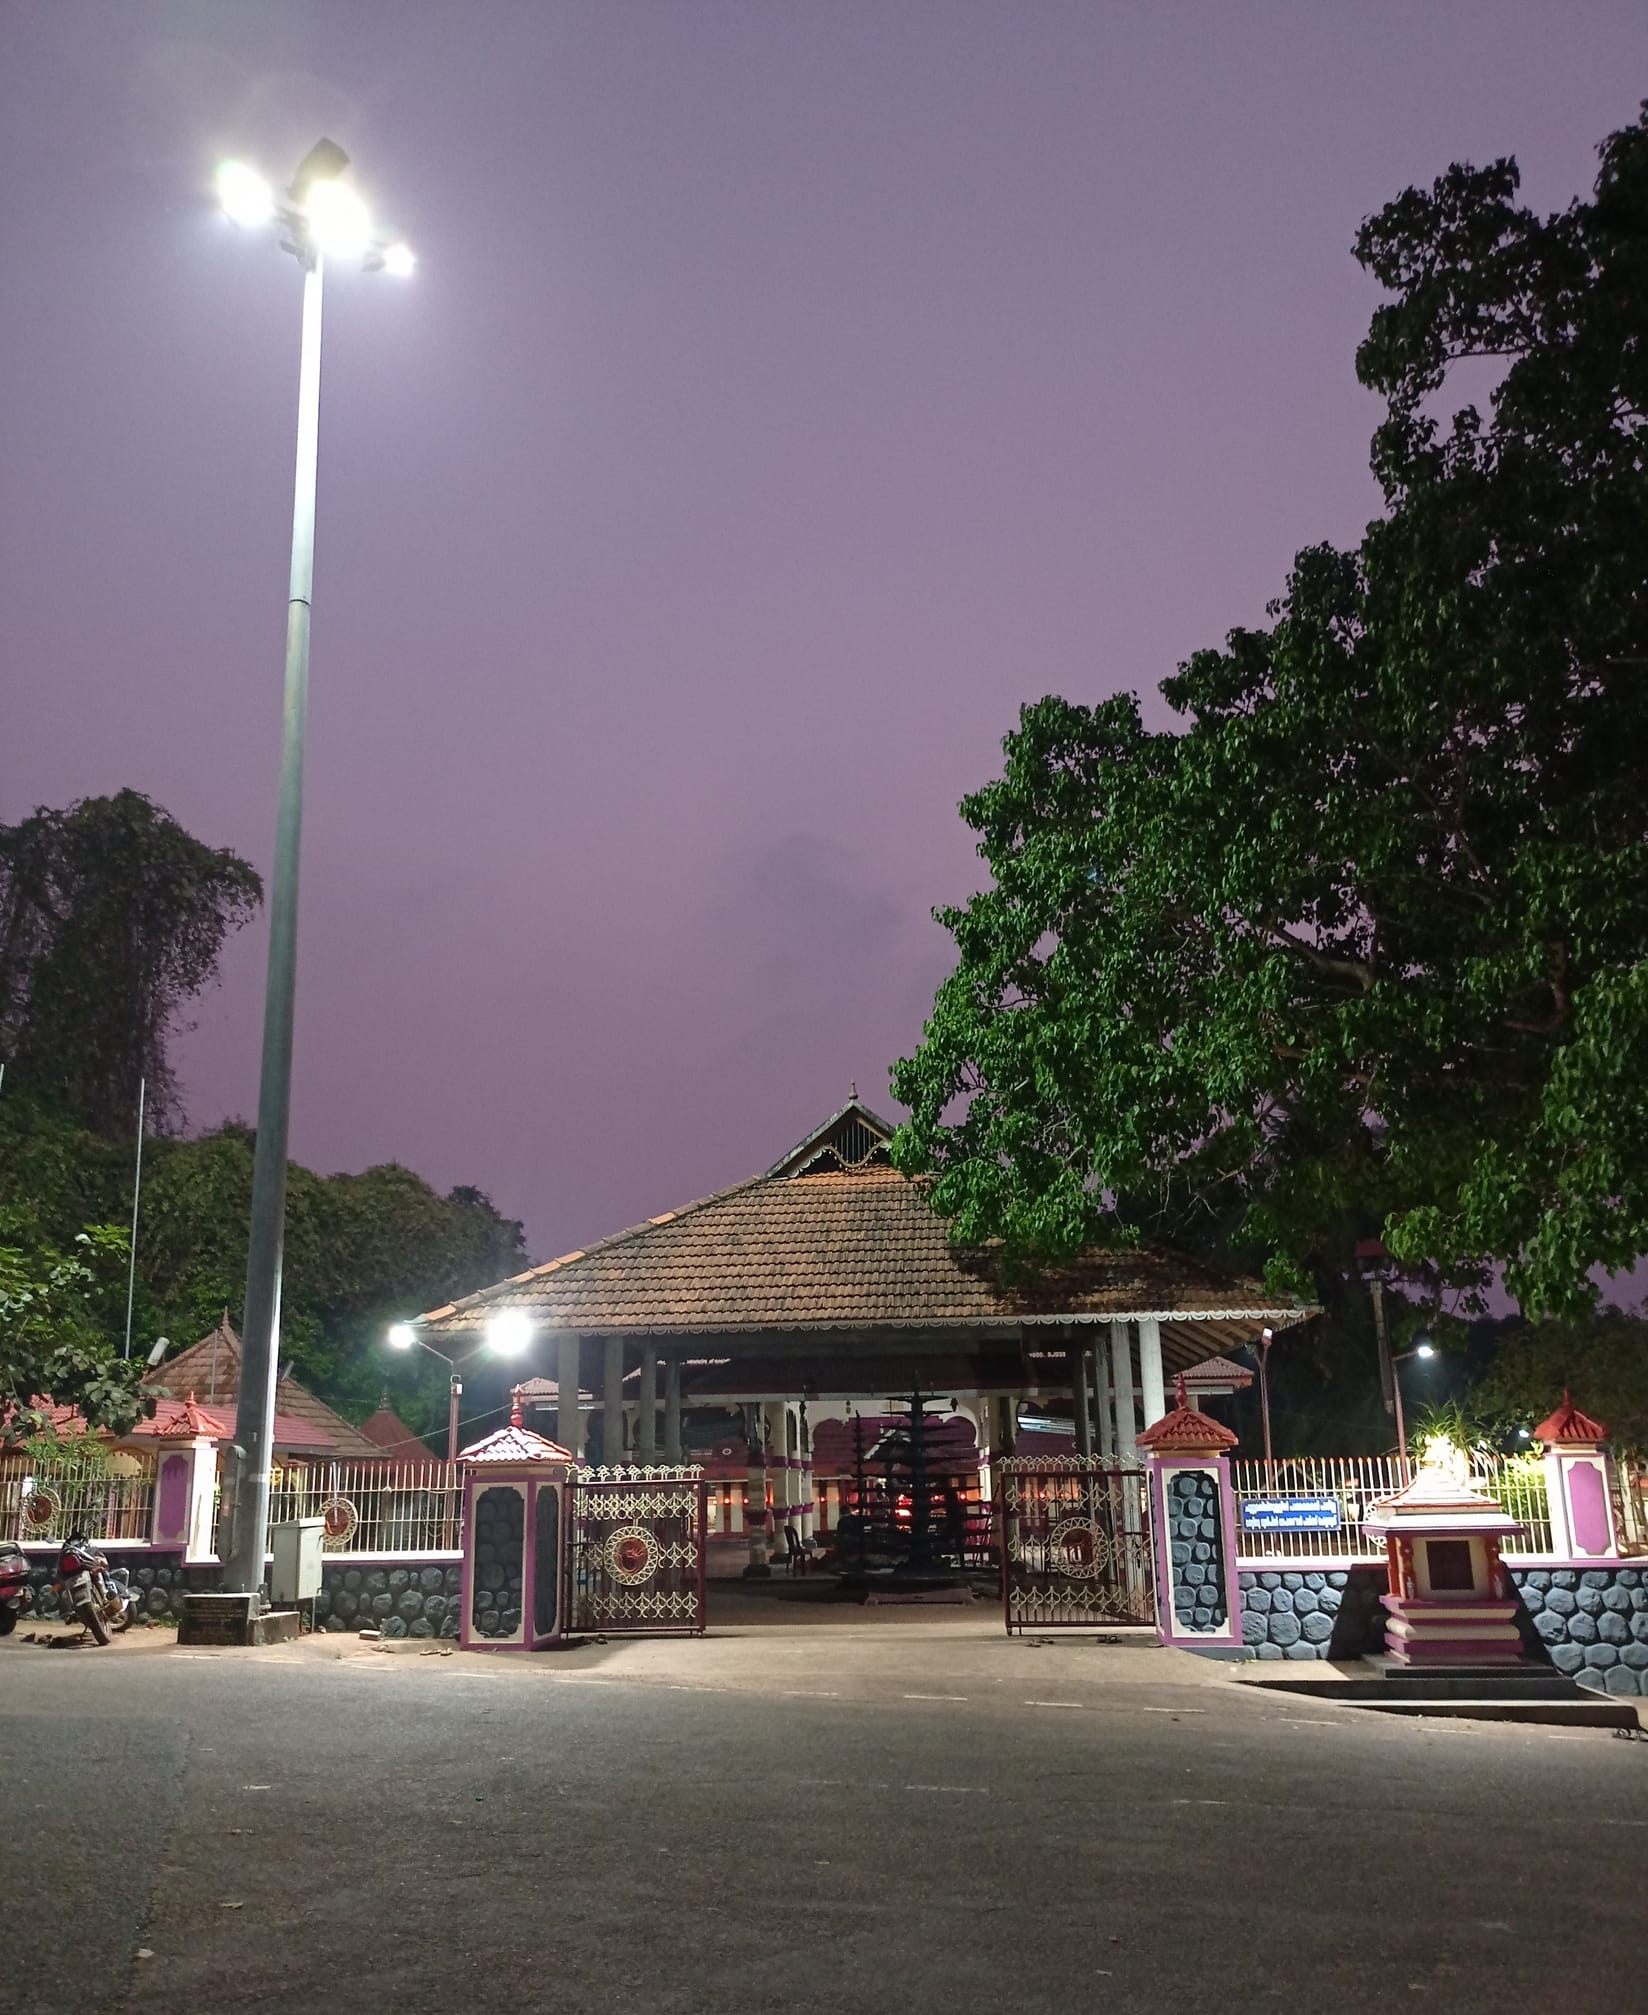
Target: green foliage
[
  {"x": 1601, "y": 1359},
  {"x": 111, "y": 918},
  {"x": 361, "y": 1250},
  {"x": 1363, "y": 945},
  {"x": 52, "y": 1343}
]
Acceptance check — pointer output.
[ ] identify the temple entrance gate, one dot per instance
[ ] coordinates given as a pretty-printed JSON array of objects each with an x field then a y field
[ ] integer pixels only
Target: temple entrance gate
[
  {"x": 637, "y": 1551},
  {"x": 1076, "y": 1545}
]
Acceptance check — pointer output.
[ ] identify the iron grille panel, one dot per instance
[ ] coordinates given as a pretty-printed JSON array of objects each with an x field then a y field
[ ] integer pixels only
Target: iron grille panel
[
  {"x": 638, "y": 1552},
  {"x": 1076, "y": 1544}
]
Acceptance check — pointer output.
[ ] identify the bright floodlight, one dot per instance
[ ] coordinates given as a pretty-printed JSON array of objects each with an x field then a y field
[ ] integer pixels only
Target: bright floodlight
[
  {"x": 508, "y": 1333},
  {"x": 402, "y": 1336},
  {"x": 338, "y": 220},
  {"x": 399, "y": 260},
  {"x": 246, "y": 198},
  {"x": 1425, "y": 1350}
]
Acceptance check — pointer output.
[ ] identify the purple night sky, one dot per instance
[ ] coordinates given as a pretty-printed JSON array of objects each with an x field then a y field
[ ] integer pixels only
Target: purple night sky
[{"x": 786, "y": 393}]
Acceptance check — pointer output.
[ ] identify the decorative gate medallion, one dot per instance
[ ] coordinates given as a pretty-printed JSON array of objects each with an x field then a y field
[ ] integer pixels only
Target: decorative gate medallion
[
  {"x": 1076, "y": 1547},
  {"x": 632, "y": 1555},
  {"x": 638, "y": 1551}
]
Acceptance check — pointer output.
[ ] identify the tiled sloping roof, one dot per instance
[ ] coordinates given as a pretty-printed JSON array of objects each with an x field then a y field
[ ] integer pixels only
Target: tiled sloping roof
[
  {"x": 210, "y": 1370},
  {"x": 388, "y": 1433},
  {"x": 1214, "y": 1372},
  {"x": 514, "y": 1443},
  {"x": 1568, "y": 1424},
  {"x": 1185, "y": 1428},
  {"x": 842, "y": 1249}
]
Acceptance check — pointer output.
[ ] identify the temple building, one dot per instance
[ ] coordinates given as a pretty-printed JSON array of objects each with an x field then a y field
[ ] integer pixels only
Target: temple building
[{"x": 750, "y": 1329}]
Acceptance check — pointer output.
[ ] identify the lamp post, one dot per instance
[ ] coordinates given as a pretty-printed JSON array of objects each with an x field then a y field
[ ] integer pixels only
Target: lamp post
[
  {"x": 1267, "y": 1336},
  {"x": 1399, "y": 1359},
  {"x": 507, "y": 1335},
  {"x": 320, "y": 218}
]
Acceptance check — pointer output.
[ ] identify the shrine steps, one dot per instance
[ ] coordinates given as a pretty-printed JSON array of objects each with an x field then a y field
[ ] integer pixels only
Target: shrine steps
[{"x": 1533, "y": 1693}]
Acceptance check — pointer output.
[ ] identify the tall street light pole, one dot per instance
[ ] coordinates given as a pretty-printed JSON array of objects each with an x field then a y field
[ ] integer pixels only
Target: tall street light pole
[
  {"x": 321, "y": 217},
  {"x": 1397, "y": 1361}
]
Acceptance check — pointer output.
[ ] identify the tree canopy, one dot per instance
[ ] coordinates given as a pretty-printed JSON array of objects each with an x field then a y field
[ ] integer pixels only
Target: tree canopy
[
  {"x": 111, "y": 918},
  {"x": 1361, "y": 944},
  {"x": 361, "y": 1251}
]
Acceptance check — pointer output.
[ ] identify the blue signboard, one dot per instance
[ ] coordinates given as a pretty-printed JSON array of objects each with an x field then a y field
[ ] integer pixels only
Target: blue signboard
[{"x": 1290, "y": 1514}]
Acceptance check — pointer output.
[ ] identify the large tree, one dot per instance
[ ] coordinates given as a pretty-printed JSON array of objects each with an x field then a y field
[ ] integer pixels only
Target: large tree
[
  {"x": 1363, "y": 942},
  {"x": 112, "y": 917}
]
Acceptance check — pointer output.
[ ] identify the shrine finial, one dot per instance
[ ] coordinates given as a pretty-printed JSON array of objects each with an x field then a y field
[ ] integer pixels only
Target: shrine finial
[
  {"x": 1179, "y": 1393},
  {"x": 516, "y": 1418}
]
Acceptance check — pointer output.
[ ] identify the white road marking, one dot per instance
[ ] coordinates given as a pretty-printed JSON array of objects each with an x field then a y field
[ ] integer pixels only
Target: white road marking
[
  {"x": 1054, "y": 1703},
  {"x": 934, "y": 1696}
]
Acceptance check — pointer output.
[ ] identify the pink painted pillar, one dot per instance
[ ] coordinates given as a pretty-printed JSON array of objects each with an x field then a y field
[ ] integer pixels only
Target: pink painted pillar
[{"x": 1577, "y": 1489}]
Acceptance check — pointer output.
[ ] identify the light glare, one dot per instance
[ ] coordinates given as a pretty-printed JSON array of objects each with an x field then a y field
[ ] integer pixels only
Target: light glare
[
  {"x": 1425, "y": 1350},
  {"x": 399, "y": 260},
  {"x": 246, "y": 198},
  {"x": 508, "y": 1333},
  {"x": 338, "y": 220},
  {"x": 402, "y": 1336}
]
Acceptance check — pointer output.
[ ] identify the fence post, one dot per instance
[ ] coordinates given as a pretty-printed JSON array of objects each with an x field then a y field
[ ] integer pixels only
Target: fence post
[{"x": 1193, "y": 1511}]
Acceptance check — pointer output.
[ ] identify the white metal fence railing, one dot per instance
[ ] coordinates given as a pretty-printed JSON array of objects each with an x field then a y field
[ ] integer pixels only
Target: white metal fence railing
[
  {"x": 375, "y": 1507},
  {"x": 43, "y": 1500},
  {"x": 1312, "y": 1507}
]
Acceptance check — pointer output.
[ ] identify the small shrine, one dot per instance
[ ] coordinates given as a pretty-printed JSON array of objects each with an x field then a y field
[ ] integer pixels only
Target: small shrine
[
  {"x": 1450, "y": 1599},
  {"x": 515, "y": 1525}
]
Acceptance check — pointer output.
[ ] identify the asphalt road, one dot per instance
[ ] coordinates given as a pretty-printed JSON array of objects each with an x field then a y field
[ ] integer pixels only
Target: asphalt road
[{"x": 846, "y": 1825}]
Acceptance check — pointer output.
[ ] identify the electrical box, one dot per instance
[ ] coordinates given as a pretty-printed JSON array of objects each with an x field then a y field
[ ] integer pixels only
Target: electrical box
[{"x": 294, "y": 1573}]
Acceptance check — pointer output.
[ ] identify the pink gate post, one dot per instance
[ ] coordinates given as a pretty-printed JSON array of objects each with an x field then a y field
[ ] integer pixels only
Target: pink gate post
[
  {"x": 1576, "y": 1485},
  {"x": 1193, "y": 1511},
  {"x": 515, "y": 1540}
]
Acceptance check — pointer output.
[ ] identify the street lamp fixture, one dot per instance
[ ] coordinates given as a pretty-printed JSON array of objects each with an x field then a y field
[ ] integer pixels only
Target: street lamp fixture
[
  {"x": 320, "y": 217},
  {"x": 404, "y": 1336},
  {"x": 508, "y": 1333}
]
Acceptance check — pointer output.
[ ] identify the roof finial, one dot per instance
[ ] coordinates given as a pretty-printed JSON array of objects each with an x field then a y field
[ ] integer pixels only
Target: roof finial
[
  {"x": 1179, "y": 1392},
  {"x": 515, "y": 1416},
  {"x": 852, "y": 1088}
]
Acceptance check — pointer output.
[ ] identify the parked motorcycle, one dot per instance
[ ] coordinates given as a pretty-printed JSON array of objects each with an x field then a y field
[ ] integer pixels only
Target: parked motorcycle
[
  {"x": 88, "y": 1587},
  {"x": 16, "y": 1593}
]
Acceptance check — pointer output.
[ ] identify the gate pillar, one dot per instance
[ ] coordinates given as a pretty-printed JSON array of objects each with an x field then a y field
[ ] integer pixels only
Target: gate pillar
[
  {"x": 1193, "y": 1509},
  {"x": 1576, "y": 1484},
  {"x": 516, "y": 1540}
]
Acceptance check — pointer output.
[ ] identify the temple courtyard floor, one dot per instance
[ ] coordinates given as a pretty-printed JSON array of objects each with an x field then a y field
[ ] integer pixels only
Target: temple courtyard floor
[{"x": 815, "y": 1808}]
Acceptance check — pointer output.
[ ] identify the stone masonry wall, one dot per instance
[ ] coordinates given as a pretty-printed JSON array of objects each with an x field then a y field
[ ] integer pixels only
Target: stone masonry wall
[
  {"x": 1590, "y": 1622},
  {"x": 1194, "y": 1537},
  {"x": 1304, "y": 1613},
  {"x": 414, "y": 1599},
  {"x": 410, "y": 1598}
]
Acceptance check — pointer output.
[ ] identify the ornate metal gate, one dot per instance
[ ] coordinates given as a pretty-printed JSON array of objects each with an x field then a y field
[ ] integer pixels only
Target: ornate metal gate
[
  {"x": 1075, "y": 1543},
  {"x": 638, "y": 1551}
]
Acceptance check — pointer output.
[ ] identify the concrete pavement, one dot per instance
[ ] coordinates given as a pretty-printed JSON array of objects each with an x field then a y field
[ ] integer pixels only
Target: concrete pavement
[{"x": 919, "y": 1817}]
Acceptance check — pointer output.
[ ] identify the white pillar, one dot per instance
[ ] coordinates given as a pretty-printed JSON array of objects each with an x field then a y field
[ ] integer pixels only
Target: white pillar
[
  {"x": 755, "y": 1498},
  {"x": 780, "y": 1464},
  {"x": 1121, "y": 1392},
  {"x": 1081, "y": 1418},
  {"x": 1150, "y": 1370},
  {"x": 1103, "y": 1404},
  {"x": 612, "y": 1400},
  {"x": 646, "y": 1441},
  {"x": 569, "y": 1420},
  {"x": 672, "y": 1410}
]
